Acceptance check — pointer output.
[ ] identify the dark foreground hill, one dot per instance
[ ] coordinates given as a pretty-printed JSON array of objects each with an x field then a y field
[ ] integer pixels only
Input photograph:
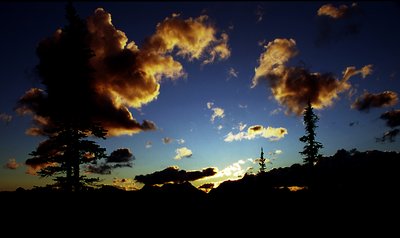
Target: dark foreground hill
[{"x": 347, "y": 187}]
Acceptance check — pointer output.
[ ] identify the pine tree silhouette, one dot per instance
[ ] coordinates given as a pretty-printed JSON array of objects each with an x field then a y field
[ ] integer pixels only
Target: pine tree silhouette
[
  {"x": 65, "y": 71},
  {"x": 312, "y": 147},
  {"x": 262, "y": 162}
]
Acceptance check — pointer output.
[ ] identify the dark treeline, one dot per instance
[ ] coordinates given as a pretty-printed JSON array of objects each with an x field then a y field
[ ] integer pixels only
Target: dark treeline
[
  {"x": 370, "y": 174},
  {"x": 349, "y": 190}
]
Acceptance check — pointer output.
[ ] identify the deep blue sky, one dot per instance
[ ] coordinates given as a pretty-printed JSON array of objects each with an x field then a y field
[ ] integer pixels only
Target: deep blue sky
[{"x": 181, "y": 112}]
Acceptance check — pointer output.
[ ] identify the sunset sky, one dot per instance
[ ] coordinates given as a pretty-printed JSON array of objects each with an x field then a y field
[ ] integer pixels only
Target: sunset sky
[{"x": 221, "y": 81}]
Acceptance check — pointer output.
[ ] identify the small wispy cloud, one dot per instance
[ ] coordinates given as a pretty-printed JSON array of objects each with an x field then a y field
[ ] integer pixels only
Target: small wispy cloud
[
  {"x": 12, "y": 164},
  {"x": 335, "y": 12},
  {"x": 259, "y": 13},
  {"x": 276, "y": 152},
  {"x": 242, "y": 126},
  {"x": 243, "y": 106},
  {"x": 232, "y": 73},
  {"x": 256, "y": 131},
  {"x": 167, "y": 140},
  {"x": 275, "y": 111},
  {"x": 218, "y": 112},
  {"x": 262, "y": 42},
  {"x": 389, "y": 136},
  {"x": 148, "y": 144},
  {"x": 180, "y": 141},
  {"x": 183, "y": 152},
  {"x": 5, "y": 117},
  {"x": 351, "y": 71}
]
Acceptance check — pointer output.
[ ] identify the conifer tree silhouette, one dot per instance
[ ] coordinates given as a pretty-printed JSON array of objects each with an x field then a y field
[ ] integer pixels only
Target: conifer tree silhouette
[
  {"x": 262, "y": 162},
  {"x": 312, "y": 147},
  {"x": 65, "y": 71}
]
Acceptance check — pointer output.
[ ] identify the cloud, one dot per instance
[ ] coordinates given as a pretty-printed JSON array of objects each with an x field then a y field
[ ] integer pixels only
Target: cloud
[
  {"x": 351, "y": 71},
  {"x": 277, "y": 152},
  {"x": 370, "y": 100},
  {"x": 12, "y": 164},
  {"x": 243, "y": 106},
  {"x": 123, "y": 77},
  {"x": 193, "y": 39},
  {"x": 5, "y": 117},
  {"x": 232, "y": 73},
  {"x": 335, "y": 23},
  {"x": 126, "y": 184},
  {"x": 334, "y": 12},
  {"x": 36, "y": 165},
  {"x": 221, "y": 50},
  {"x": 174, "y": 175},
  {"x": 257, "y": 131},
  {"x": 276, "y": 111},
  {"x": 389, "y": 136},
  {"x": 259, "y": 13},
  {"x": 183, "y": 152},
  {"x": 99, "y": 168},
  {"x": 167, "y": 140},
  {"x": 119, "y": 158},
  {"x": 206, "y": 187},
  {"x": 266, "y": 161},
  {"x": 292, "y": 87},
  {"x": 219, "y": 127},
  {"x": 242, "y": 126},
  {"x": 353, "y": 123},
  {"x": 148, "y": 144},
  {"x": 218, "y": 112},
  {"x": 235, "y": 170},
  {"x": 180, "y": 141},
  {"x": 392, "y": 118}
]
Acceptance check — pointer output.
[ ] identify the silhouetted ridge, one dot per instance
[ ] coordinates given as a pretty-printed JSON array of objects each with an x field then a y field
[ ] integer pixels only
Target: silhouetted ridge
[{"x": 346, "y": 170}]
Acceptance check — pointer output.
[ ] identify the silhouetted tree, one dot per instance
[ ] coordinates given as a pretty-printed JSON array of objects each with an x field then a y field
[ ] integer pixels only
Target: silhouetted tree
[
  {"x": 64, "y": 152},
  {"x": 262, "y": 162},
  {"x": 64, "y": 64},
  {"x": 312, "y": 147}
]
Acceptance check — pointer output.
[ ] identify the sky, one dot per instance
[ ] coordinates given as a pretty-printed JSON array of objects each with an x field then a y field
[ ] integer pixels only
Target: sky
[{"x": 221, "y": 80}]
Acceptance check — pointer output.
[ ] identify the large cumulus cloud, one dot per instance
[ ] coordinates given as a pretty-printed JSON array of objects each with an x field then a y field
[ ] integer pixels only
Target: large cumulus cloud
[
  {"x": 122, "y": 75},
  {"x": 294, "y": 86}
]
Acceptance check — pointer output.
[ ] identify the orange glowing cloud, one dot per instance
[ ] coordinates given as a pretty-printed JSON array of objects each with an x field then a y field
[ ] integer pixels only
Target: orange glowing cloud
[
  {"x": 369, "y": 100},
  {"x": 34, "y": 168},
  {"x": 293, "y": 87},
  {"x": 123, "y": 77},
  {"x": 334, "y": 12},
  {"x": 12, "y": 164}
]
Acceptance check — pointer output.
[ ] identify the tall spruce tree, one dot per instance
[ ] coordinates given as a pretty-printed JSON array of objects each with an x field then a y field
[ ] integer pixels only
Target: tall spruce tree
[
  {"x": 312, "y": 147},
  {"x": 262, "y": 162},
  {"x": 65, "y": 71}
]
